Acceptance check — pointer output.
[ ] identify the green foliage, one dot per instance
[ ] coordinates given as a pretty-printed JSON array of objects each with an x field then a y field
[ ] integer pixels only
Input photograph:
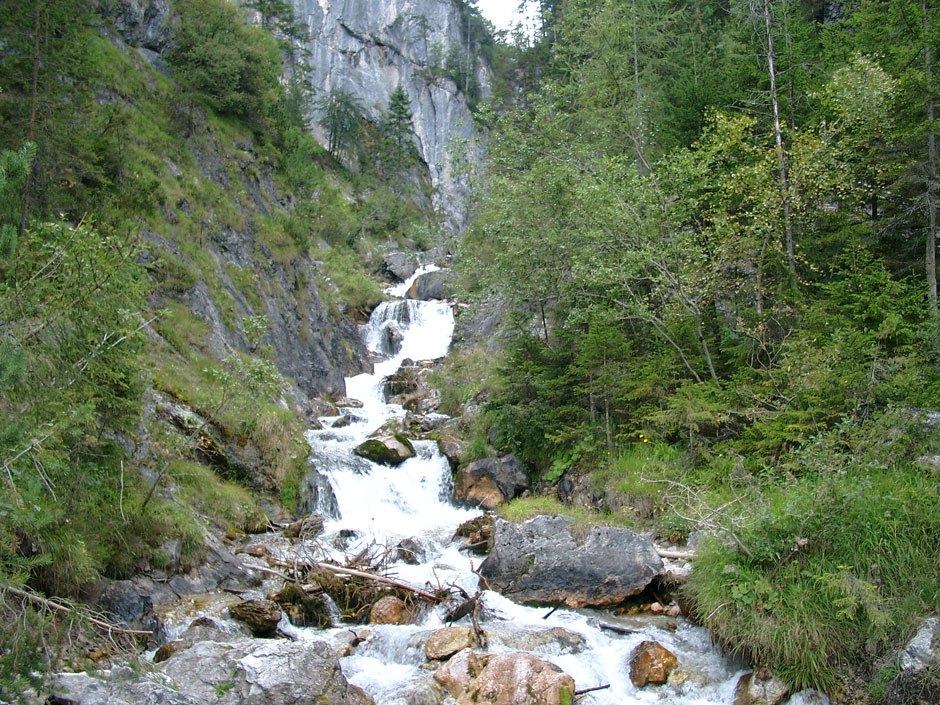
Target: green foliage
[
  {"x": 222, "y": 62},
  {"x": 13, "y": 169},
  {"x": 341, "y": 119},
  {"x": 840, "y": 566}
]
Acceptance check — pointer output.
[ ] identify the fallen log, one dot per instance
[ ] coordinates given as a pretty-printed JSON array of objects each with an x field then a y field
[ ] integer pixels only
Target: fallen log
[
  {"x": 370, "y": 576},
  {"x": 683, "y": 555},
  {"x": 617, "y": 629},
  {"x": 61, "y": 605}
]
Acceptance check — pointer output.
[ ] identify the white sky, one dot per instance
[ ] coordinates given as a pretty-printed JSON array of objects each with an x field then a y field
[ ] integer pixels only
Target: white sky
[{"x": 502, "y": 13}]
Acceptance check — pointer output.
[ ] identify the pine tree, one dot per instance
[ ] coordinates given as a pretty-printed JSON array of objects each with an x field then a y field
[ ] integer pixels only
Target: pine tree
[{"x": 399, "y": 131}]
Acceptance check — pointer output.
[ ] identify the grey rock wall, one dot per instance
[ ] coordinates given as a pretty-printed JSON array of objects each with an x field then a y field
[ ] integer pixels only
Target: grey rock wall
[{"x": 368, "y": 48}]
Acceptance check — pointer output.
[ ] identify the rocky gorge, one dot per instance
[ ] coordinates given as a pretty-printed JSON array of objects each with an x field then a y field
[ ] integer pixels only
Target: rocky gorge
[{"x": 376, "y": 606}]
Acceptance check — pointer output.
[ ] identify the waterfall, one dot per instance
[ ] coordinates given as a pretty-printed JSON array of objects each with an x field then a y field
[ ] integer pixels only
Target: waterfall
[{"x": 368, "y": 504}]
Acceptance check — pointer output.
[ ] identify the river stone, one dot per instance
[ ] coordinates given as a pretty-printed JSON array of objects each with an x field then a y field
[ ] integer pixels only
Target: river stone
[
  {"x": 446, "y": 642},
  {"x": 490, "y": 482},
  {"x": 261, "y": 616},
  {"x": 451, "y": 448},
  {"x": 432, "y": 286},
  {"x": 263, "y": 672},
  {"x": 125, "y": 603},
  {"x": 651, "y": 663},
  {"x": 507, "y": 679},
  {"x": 541, "y": 562},
  {"x": 387, "y": 450},
  {"x": 390, "y": 610},
  {"x": 457, "y": 674},
  {"x": 760, "y": 688}
]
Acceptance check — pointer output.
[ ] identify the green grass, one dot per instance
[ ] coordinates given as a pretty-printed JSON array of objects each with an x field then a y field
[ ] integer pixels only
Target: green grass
[
  {"x": 523, "y": 509},
  {"x": 350, "y": 285},
  {"x": 226, "y": 504},
  {"x": 466, "y": 373},
  {"x": 842, "y": 567}
]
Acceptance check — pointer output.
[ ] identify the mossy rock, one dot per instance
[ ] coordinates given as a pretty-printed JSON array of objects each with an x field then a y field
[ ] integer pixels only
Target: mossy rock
[
  {"x": 388, "y": 450},
  {"x": 302, "y": 609}
]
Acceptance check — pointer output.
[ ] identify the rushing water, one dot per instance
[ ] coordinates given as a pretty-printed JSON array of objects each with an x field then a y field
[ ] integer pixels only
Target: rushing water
[{"x": 367, "y": 506}]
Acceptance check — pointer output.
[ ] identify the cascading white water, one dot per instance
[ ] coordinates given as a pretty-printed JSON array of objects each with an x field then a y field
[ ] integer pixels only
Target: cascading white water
[{"x": 377, "y": 504}]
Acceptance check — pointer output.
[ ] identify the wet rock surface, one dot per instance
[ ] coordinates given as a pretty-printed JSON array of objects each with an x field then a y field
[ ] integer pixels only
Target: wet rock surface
[
  {"x": 386, "y": 450},
  {"x": 446, "y": 642},
  {"x": 651, "y": 663},
  {"x": 541, "y": 562},
  {"x": 432, "y": 286},
  {"x": 760, "y": 688},
  {"x": 507, "y": 679}
]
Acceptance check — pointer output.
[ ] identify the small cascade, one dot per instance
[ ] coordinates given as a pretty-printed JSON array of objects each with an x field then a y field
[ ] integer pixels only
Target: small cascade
[{"x": 365, "y": 504}]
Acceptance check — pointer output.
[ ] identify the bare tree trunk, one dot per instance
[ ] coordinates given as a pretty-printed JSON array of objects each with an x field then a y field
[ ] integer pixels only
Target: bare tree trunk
[
  {"x": 931, "y": 254},
  {"x": 32, "y": 119},
  {"x": 636, "y": 91},
  {"x": 778, "y": 138}
]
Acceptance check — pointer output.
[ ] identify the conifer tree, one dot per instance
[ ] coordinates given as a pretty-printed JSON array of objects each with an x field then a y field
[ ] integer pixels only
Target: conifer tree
[{"x": 399, "y": 131}]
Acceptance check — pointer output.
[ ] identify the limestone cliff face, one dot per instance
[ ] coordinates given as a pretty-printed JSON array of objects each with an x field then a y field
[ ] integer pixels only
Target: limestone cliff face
[{"x": 369, "y": 47}]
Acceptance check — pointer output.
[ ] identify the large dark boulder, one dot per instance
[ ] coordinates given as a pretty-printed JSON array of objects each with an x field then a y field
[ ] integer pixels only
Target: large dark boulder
[
  {"x": 399, "y": 265},
  {"x": 433, "y": 285},
  {"x": 543, "y": 561},
  {"x": 490, "y": 482}
]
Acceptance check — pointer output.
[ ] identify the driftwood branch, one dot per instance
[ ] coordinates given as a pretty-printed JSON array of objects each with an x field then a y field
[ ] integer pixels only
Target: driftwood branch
[
  {"x": 64, "y": 606},
  {"x": 591, "y": 690},
  {"x": 371, "y": 576},
  {"x": 617, "y": 629},
  {"x": 684, "y": 555}
]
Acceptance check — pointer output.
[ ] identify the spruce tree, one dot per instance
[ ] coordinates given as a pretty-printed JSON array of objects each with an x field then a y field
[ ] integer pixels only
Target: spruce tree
[{"x": 398, "y": 131}]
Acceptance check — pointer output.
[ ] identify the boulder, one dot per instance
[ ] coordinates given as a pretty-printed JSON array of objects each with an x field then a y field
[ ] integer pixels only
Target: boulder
[
  {"x": 390, "y": 610},
  {"x": 125, "y": 603},
  {"x": 507, "y": 679},
  {"x": 399, "y": 265},
  {"x": 308, "y": 527},
  {"x": 433, "y": 285},
  {"x": 348, "y": 403},
  {"x": 446, "y": 642},
  {"x": 386, "y": 450},
  {"x": 451, "y": 448},
  {"x": 119, "y": 686},
  {"x": 922, "y": 650},
  {"x": 399, "y": 383},
  {"x": 541, "y": 562},
  {"x": 457, "y": 674},
  {"x": 760, "y": 688},
  {"x": 490, "y": 482},
  {"x": 651, "y": 663},
  {"x": 260, "y": 616},
  {"x": 263, "y": 672}
]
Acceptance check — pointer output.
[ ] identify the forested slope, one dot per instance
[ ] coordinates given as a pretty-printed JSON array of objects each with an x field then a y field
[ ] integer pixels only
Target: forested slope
[
  {"x": 714, "y": 225},
  {"x": 182, "y": 270}
]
